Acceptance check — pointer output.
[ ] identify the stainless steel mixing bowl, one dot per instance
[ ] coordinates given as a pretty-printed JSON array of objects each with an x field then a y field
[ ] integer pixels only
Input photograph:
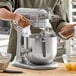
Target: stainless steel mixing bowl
[{"x": 41, "y": 50}]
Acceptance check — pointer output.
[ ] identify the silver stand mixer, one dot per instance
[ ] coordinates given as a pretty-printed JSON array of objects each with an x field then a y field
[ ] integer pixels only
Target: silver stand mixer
[{"x": 39, "y": 49}]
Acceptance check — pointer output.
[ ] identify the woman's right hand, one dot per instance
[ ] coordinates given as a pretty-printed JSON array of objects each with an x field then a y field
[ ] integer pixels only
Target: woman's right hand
[{"x": 21, "y": 20}]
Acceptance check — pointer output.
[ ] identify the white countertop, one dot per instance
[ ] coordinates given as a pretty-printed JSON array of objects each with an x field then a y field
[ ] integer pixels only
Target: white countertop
[{"x": 4, "y": 39}]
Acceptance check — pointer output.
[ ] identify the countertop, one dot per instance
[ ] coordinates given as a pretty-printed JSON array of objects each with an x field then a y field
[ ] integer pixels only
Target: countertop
[
  {"x": 4, "y": 40},
  {"x": 60, "y": 71}
]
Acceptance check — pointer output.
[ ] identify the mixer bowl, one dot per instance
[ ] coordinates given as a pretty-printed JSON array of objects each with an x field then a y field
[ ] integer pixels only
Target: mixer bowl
[
  {"x": 39, "y": 61},
  {"x": 42, "y": 50}
]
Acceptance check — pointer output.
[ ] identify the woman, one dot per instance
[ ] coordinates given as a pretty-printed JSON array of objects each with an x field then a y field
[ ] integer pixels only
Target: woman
[{"x": 58, "y": 25}]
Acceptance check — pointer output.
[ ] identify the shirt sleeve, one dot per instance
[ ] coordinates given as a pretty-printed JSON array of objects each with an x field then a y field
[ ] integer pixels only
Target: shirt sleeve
[
  {"x": 6, "y": 4},
  {"x": 62, "y": 20}
]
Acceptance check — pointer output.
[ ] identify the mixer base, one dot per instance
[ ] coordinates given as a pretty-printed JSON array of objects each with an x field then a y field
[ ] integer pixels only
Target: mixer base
[{"x": 29, "y": 65}]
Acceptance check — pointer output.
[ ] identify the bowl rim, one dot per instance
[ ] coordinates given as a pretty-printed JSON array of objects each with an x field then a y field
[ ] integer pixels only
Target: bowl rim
[{"x": 65, "y": 57}]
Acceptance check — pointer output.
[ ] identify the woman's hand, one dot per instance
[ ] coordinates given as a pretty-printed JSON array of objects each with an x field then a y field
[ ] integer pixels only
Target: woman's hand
[
  {"x": 67, "y": 31},
  {"x": 21, "y": 20},
  {"x": 7, "y": 16}
]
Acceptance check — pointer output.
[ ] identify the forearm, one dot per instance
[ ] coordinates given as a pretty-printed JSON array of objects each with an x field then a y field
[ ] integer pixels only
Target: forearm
[
  {"x": 6, "y": 15},
  {"x": 63, "y": 18}
]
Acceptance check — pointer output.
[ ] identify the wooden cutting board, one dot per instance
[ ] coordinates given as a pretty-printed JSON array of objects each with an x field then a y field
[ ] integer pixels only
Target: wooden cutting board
[{"x": 60, "y": 71}]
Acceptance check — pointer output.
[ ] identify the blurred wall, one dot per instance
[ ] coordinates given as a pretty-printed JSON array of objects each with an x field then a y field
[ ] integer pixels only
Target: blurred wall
[{"x": 65, "y": 4}]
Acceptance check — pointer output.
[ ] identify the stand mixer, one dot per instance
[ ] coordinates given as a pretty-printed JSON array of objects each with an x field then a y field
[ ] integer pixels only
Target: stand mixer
[{"x": 39, "y": 49}]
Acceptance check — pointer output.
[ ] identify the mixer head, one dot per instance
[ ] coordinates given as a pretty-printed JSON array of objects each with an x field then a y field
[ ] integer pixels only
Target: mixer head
[{"x": 39, "y": 18}]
